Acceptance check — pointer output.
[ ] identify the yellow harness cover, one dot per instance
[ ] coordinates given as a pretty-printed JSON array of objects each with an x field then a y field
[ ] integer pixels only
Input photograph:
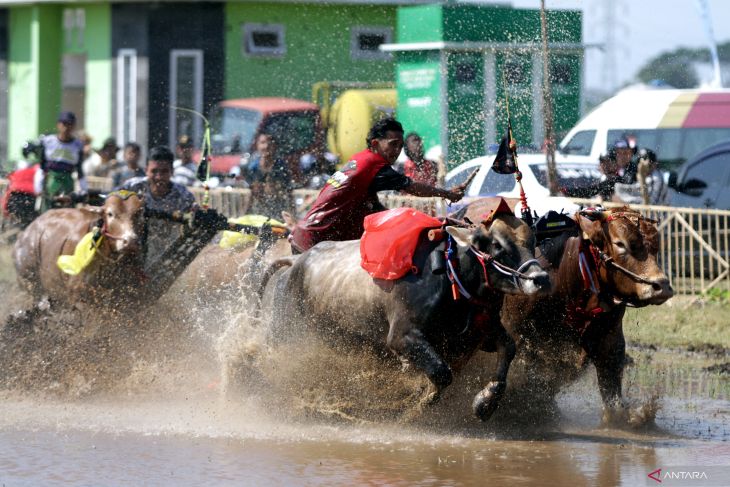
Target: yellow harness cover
[
  {"x": 75, "y": 263},
  {"x": 238, "y": 240}
]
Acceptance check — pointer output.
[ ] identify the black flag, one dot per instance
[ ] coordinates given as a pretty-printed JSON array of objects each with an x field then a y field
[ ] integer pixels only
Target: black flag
[{"x": 504, "y": 163}]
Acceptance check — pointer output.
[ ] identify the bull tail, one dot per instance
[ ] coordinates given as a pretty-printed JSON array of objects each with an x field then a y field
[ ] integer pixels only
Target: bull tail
[{"x": 269, "y": 272}]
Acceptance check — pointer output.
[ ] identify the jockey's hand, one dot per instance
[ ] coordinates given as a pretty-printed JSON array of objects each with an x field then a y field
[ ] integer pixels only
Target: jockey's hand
[{"x": 209, "y": 219}]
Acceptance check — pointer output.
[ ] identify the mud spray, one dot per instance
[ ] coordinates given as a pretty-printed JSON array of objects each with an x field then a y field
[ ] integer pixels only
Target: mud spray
[{"x": 217, "y": 348}]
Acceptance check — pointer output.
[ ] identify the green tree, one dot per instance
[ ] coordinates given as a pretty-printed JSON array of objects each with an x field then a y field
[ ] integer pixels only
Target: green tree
[{"x": 676, "y": 68}]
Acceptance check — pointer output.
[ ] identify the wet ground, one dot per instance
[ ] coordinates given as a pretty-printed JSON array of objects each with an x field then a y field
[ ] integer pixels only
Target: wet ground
[{"x": 138, "y": 400}]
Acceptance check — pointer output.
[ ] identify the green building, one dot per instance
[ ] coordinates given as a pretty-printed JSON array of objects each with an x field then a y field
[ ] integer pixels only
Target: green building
[
  {"x": 122, "y": 66},
  {"x": 456, "y": 63}
]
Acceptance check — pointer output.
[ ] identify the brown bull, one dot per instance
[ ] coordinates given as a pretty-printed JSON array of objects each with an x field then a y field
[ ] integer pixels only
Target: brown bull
[
  {"x": 114, "y": 273},
  {"x": 607, "y": 262}
]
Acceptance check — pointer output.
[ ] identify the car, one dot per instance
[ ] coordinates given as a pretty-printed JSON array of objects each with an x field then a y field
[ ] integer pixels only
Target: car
[
  {"x": 572, "y": 177},
  {"x": 704, "y": 180},
  {"x": 675, "y": 124}
]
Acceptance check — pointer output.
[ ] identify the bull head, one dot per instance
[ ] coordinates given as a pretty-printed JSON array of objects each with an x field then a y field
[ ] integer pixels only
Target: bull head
[
  {"x": 123, "y": 222},
  {"x": 628, "y": 244},
  {"x": 507, "y": 247}
]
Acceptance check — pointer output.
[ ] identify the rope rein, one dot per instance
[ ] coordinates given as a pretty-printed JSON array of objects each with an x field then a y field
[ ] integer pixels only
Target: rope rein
[{"x": 484, "y": 259}]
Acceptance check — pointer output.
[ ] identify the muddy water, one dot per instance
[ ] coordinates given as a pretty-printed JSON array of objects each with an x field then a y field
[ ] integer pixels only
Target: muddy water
[
  {"x": 201, "y": 440},
  {"x": 139, "y": 401}
]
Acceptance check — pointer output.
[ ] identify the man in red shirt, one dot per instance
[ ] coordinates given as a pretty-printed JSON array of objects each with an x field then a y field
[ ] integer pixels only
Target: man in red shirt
[
  {"x": 417, "y": 167},
  {"x": 351, "y": 193}
]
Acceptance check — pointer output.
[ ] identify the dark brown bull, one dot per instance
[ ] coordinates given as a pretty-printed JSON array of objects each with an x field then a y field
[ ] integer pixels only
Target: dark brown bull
[
  {"x": 607, "y": 262},
  {"x": 416, "y": 317},
  {"x": 114, "y": 273}
]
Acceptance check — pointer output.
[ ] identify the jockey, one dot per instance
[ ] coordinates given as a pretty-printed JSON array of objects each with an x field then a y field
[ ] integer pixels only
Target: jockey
[
  {"x": 61, "y": 155},
  {"x": 160, "y": 194},
  {"x": 350, "y": 194}
]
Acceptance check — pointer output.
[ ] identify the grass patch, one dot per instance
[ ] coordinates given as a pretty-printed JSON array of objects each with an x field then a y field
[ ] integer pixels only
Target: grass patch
[{"x": 683, "y": 322}]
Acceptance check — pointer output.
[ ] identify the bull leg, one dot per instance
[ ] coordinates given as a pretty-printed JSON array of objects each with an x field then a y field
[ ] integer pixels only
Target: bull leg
[
  {"x": 487, "y": 400},
  {"x": 413, "y": 347},
  {"x": 608, "y": 354}
]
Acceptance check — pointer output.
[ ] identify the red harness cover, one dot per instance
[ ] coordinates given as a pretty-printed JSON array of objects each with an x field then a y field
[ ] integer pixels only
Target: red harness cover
[{"x": 390, "y": 238}]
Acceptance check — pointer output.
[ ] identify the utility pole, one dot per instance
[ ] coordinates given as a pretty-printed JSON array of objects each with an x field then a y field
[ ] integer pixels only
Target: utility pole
[{"x": 547, "y": 107}]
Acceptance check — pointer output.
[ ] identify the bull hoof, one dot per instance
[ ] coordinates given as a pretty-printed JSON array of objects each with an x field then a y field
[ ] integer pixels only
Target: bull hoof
[
  {"x": 486, "y": 402},
  {"x": 615, "y": 416},
  {"x": 430, "y": 396}
]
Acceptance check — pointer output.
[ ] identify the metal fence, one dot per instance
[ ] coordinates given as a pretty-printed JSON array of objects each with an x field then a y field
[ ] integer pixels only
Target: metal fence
[{"x": 694, "y": 243}]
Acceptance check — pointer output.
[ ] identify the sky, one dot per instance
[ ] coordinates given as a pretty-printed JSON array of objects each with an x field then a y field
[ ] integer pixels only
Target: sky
[{"x": 643, "y": 29}]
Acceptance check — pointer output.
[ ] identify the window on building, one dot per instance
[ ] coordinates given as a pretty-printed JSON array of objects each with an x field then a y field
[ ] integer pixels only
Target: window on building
[
  {"x": 466, "y": 73},
  {"x": 365, "y": 42},
  {"x": 74, "y": 24},
  {"x": 515, "y": 72},
  {"x": 560, "y": 73},
  {"x": 126, "y": 95},
  {"x": 264, "y": 40}
]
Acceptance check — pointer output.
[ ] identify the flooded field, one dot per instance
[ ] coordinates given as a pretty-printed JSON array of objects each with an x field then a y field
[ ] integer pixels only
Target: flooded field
[{"x": 139, "y": 400}]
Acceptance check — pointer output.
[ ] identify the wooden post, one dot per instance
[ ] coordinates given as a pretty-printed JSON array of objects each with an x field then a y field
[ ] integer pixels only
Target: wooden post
[{"x": 547, "y": 107}]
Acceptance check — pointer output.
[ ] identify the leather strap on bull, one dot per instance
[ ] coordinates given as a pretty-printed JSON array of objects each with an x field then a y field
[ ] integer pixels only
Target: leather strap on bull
[{"x": 581, "y": 311}]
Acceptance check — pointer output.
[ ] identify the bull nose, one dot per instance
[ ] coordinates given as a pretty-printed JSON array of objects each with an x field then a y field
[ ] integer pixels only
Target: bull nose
[
  {"x": 662, "y": 289},
  {"x": 542, "y": 281}
]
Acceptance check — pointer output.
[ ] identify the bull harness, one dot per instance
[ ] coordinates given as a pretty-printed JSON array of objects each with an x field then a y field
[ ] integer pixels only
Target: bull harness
[{"x": 581, "y": 311}]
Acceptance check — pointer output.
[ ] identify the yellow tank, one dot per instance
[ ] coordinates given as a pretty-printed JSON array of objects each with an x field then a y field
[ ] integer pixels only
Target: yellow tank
[{"x": 351, "y": 117}]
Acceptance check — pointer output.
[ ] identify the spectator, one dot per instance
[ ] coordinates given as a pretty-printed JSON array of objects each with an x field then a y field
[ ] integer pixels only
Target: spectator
[
  {"x": 416, "y": 167},
  {"x": 269, "y": 179},
  {"x": 604, "y": 188},
  {"x": 436, "y": 153},
  {"x": 106, "y": 163},
  {"x": 185, "y": 170},
  {"x": 132, "y": 153},
  {"x": 61, "y": 155},
  {"x": 625, "y": 160},
  {"x": 650, "y": 188}
]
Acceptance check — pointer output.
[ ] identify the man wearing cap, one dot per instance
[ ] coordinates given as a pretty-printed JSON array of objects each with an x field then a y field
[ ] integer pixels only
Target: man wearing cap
[
  {"x": 61, "y": 155},
  {"x": 625, "y": 160},
  {"x": 185, "y": 170}
]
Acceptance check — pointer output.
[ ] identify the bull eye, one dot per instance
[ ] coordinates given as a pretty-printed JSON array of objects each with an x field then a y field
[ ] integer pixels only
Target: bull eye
[
  {"x": 620, "y": 246},
  {"x": 497, "y": 246},
  {"x": 109, "y": 214}
]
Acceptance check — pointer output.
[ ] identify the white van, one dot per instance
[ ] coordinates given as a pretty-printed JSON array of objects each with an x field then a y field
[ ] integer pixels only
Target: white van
[{"x": 675, "y": 124}]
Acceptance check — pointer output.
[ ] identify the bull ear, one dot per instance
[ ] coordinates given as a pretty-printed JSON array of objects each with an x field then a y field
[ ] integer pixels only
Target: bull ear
[
  {"x": 462, "y": 236},
  {"x": 592, "y": 230}
]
